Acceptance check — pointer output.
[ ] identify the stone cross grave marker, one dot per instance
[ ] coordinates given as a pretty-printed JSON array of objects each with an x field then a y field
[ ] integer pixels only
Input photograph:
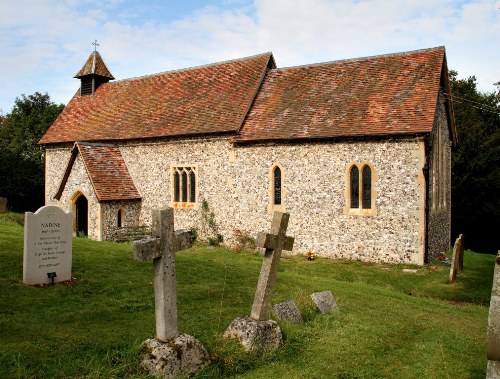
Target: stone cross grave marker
[
  {"x": 171, "y": 354},
  {"x": 257, "y": 332},
  {"x": 47, "y": 254},
  {"x": 274, "y": 242},
  {"x": 493, "y": 344},
  {"x": 161, "y": 248}
]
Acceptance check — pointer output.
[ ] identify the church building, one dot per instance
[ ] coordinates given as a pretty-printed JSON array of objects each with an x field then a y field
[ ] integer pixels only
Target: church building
[{"x": 358, "y": 152}]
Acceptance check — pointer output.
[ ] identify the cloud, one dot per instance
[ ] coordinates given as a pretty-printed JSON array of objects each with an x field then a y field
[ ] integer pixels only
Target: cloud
[{"x": 45, "y": 43}]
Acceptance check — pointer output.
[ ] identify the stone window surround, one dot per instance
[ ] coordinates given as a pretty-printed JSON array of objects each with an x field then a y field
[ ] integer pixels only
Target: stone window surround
[
  {"x": 347, "y": 190},
  {"x": 271, "y": 207},
  {"x": 182, "y": 204}
]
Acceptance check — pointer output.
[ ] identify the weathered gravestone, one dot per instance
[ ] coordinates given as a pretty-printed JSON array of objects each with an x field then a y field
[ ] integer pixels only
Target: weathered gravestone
[
  {"x": 170, "y": 354},
  {"x": 47, "y": 246},
  {"x": 288, "y": 311},
  {"x": 324, "y": 301},
  {"x": 457, "y": 259},
  {"x": 257, "y": 332},
  {"x": 493, "y": 345},
  {"x": 3, "y": 205},
  {"x": 461, "y": 253}
]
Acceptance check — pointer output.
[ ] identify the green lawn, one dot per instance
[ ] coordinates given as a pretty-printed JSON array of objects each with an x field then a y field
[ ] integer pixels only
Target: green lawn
[{"x": 390, "y": 324}]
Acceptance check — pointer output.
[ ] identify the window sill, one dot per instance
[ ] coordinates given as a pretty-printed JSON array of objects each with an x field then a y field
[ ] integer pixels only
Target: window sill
[
  {"x": 184, "y": 205},
  {"x": 360, "y": 212}
]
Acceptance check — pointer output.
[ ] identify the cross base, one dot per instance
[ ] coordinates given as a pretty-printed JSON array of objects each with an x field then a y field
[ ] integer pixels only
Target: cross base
[
  {"x": 182, "y": 356},
  {"x": 264, "y": 336}
]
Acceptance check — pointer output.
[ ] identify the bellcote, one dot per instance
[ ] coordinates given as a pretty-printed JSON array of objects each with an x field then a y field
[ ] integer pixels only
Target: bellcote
[{"x": 93, "y": 73}]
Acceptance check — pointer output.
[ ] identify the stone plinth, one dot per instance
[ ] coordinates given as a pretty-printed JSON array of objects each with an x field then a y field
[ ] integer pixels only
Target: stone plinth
[
  {"x": 255, "y": 335},
  {"x": 182, "y": 355}
]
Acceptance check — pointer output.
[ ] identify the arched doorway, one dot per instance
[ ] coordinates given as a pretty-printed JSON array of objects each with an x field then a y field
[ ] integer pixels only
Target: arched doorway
[{"x": 82, "y": 215}]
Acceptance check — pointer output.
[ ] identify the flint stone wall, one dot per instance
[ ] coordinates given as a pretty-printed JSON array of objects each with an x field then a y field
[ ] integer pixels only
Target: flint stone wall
[
  {"x": 439, "y": 213},
  {"x": 235, "y": 183},
  {"x": 78, "y": 183}
]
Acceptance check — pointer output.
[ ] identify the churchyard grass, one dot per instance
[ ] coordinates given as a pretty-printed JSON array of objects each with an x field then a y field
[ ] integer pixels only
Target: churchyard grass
[{"x": 389, "y": 324}]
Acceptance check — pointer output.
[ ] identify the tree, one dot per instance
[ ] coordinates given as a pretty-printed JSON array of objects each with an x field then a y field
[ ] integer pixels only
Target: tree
[
  {"x": 21, "y": 159},
  {"x": 476, "y": 165}
]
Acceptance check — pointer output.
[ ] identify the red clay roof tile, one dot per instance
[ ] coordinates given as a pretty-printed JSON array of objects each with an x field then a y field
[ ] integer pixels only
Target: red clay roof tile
[
  {"x": 107, "y": 171},
  {"x": 201, "y": 100},
  {"x": 383, "y": 95}
]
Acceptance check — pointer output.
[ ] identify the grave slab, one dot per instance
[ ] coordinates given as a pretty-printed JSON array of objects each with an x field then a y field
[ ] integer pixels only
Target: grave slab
[
  {"x": 324, "y": 301},
  {"x": 48, "y": 246},
  {"x": 288, "y": 311}
]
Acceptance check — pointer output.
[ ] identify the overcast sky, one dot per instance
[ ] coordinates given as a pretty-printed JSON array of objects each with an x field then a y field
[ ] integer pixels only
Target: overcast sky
[{"x": 45, "y": 42}]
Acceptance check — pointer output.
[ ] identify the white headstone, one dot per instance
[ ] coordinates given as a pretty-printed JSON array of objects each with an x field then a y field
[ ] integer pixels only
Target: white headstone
[{"x": 47, "y": 245}]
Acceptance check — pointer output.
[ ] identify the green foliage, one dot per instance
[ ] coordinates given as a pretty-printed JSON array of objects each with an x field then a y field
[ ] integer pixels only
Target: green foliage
[
  {"x": 21, "y": 159},
  {"x": 398, "y": 325},
  {"x": 209, "y": 226},
  {"x": 476, "y": 165},
  {"x": 244, "y": 241}
]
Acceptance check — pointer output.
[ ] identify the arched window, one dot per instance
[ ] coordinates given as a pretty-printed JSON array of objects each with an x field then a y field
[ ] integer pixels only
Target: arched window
[
  {"x": 177, "y": 187},
  {"x": 184, "y": 186},
  {"x": 360, "y": 179},
  {"x": 277, "y": 185},
  {"x": 120, "y": 218},
  {"x": 366, "y": 185},
  {"x": 277, "y": 195},
  {"x": 354, "y": 184}
]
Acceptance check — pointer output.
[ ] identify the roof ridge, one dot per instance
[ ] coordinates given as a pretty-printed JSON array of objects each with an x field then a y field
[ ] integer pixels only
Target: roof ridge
[
  {"x": 402, "y": 53},
  {"x": 268, "y": 53}
]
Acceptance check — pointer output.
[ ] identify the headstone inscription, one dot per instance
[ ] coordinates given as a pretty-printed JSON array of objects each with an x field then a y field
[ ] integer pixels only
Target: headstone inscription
[
  {"x": 493, "y": 344},
  {"x": 324, "y": 301},
  {"x": 257, "y": 332},
  {"x": 47, "y": 246},
  {"x": 170, "y": 354}
]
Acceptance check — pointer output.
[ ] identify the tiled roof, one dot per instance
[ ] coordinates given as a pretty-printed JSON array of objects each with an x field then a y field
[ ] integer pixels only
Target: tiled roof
[
  {"x": 201, "y": 100},
  {"x": 383, "y": 95},
  {"x": 94, "y": 66},
  {"x": 106, "y": 169}
]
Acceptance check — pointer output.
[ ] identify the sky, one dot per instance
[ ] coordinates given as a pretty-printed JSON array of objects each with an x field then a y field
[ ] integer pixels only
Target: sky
[{"x": 44, "y": 43}]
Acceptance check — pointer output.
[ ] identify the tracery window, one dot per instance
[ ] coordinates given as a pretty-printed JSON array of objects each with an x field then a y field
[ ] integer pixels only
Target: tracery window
[
  {"x": 360, "y": 194},
  {"x": 184, "y": 186}
]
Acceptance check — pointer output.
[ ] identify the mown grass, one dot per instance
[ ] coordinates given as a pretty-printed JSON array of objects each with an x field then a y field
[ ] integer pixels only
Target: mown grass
[{"x": 390, "y": 324}]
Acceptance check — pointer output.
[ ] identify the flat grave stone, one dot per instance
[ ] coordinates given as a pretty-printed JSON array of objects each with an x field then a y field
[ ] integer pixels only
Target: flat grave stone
[
  {"x": 324, "y": 301},
  {"x": 47, "y": 246},
  {"x": 288, "y": 311}
]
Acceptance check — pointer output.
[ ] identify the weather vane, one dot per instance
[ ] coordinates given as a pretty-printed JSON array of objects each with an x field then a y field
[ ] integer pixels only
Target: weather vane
[{"x": 95, "y": 45}]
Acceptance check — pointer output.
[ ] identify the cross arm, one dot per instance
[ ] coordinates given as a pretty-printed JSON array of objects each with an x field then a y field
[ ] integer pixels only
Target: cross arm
[
  {"x": 149, "y": 248},
  {"x": 269, "y": 241}
]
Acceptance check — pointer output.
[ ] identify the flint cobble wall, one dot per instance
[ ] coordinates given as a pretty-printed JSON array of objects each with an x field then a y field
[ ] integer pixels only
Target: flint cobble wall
[
  {"x": 439, "y": 206},
  {"x": 235, "y": 183}
]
